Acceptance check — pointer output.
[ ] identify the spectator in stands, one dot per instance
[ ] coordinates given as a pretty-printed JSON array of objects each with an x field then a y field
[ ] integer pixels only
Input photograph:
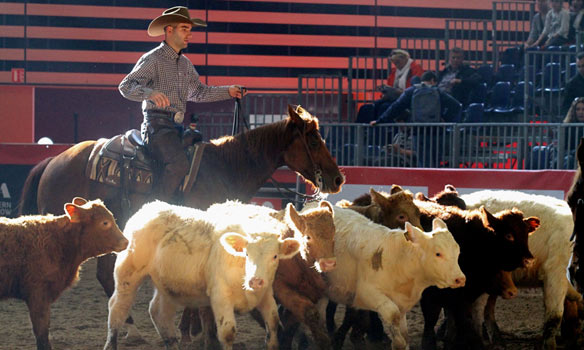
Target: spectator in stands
[
  {"x": 164, "y": 80},
  {"x": 400, "y": 150},
  {"x": 573, "y": 135},
  {"x": 576, "y": 22},
  {"x": 458, "y": 79},
  {"x": 575, "y": 87},
  {"x": 537, "y": 24},
  {"x": 557, "y": 26},
  {"x": 427, "y": 104},
  {"x": 402, "y": 70}
]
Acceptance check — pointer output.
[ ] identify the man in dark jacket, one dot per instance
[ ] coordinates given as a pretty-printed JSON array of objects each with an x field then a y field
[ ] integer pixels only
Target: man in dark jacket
[
  {"x": 574, "y": 87},
  {"x": 458, "y": 79}
]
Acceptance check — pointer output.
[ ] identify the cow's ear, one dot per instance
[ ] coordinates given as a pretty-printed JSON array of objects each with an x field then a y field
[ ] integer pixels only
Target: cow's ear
[
  {"x": 377, "y": 197},
  {"x": 438, "y": 224},
  {"x": 488, "y": 218},
  {"x": 289, "y": 248},
  {"x": 327, "y": 205},
  {"x": 395, "y": 189},
  {"x": 421, "y": 197},
  {"x": 450, "y": 188},
  {"x": 294, "y": 219},
  {"x": 234, "y": 243},
  {"x": 74, "y": 212},
  {"x": 412, "y": 233},
  {"x": 79, "y": 201},
  {"x": 532, "y": 223}
]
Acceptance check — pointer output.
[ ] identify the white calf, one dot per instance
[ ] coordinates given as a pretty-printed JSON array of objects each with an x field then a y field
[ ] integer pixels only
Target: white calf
[
  {"x": 550, "y": 246},
  {"x": 386, "y": 270},
  {"x": 225, "y": 259}
]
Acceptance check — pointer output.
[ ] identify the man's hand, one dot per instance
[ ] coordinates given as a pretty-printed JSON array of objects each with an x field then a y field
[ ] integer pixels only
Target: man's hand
[
  {"x": 373, "y": 122},
  {"x": 237, "y": 91},
  {"x": 455, "y": 81},
  {"x": 159, "y": 99}
]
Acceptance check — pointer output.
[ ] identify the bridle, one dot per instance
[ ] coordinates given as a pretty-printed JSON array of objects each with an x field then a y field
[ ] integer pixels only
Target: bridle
[{"x": 317, "y": 172}]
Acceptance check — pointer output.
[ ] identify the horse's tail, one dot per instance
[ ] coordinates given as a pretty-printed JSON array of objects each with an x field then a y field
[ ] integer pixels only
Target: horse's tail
[{"x": 28, "y": 199}]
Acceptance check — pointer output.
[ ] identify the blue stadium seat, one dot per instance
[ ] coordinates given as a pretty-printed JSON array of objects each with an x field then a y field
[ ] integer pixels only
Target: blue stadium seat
[
  {"x": 475, "y": 113},
  {"x": 517, "y": 101},
  {"x": 511, "y": 55},
  {"x": 551, "y": 78},
  {"x": 506, "y": 72},
  {"x": 486, "y": 72},
  {"x": 478, "y": 94},
  {"x": 500, "y": 101}
]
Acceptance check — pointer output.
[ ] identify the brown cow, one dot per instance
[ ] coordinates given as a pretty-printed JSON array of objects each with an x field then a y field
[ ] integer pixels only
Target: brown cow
[
  {"x": 299, "y": 283},
  {"x": 40, "y": 255}
]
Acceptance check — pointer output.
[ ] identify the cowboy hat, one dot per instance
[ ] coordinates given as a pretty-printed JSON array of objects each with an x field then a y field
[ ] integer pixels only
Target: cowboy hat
[{"x": 177, "y": 14}]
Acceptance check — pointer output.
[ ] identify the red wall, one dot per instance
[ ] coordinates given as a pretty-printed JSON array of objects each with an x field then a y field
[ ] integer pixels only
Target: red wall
[{"x": 16, "y": 114}]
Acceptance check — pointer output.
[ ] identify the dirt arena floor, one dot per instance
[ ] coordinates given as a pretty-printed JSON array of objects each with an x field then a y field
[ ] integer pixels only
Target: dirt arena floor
[{"x": 79, "y": 321}]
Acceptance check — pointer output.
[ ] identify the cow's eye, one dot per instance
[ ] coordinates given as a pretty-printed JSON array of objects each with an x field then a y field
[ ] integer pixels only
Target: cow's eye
[
  {"x": 275, "y": 256},
  {"x": 509, "y": 237},
  {"x": 308, "y": 238},
  {"x": 402, "y": 218},
  {"x": 438, "y": 254},
  {"x": 106, "y": 224}
]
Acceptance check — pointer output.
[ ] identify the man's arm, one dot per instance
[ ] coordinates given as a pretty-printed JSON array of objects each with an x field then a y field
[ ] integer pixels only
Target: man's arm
[
  {"x": 135, "y": 85},
  {"x": 200, "y": 92},
  {"x": 401, "y": 104}
]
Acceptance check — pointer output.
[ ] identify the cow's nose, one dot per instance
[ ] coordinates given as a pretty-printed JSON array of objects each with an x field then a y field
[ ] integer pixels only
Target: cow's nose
[
  {"x": 328, "y": 264},
  {"x": 460, "y": 281},
  {"x": 256, "y": 283},
  {"x": 527, "y": 262},
  {"x": 510, "y": 293}
]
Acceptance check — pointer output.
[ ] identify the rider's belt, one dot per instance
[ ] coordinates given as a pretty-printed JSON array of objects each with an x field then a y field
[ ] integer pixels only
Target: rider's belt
[{"x": 176, "y": 117}]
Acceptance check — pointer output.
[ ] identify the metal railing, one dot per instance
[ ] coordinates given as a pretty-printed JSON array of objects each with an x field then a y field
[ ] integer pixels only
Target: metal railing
[
  {"x": 429, "y": 52},
  {"x": 475, "y": 37},
  {"x": 322, "y": 95},
  {"x": 511, "y": 23},
  {"x": 365, "y": 74},
  {"x": 447, "y": 145}
]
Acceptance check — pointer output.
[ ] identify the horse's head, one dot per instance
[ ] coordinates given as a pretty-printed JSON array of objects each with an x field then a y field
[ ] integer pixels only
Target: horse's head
[{"x": 308, "y": 155}]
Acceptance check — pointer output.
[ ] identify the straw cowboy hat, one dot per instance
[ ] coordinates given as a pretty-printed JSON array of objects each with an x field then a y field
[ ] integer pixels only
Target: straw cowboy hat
[{"x": 177, "y": 14}]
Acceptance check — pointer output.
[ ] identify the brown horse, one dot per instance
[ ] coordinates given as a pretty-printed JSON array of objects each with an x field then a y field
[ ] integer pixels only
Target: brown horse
[
  {"x": 575, "y": 199},
  {"x": 232, "y": 167}
]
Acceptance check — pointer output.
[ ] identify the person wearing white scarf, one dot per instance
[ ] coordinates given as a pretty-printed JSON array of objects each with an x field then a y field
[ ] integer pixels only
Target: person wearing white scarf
[{"x": 402, "y": 61}]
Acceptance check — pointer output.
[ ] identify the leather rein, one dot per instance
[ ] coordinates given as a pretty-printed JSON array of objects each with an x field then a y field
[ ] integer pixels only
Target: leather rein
[{"x": 317, "y": 172}]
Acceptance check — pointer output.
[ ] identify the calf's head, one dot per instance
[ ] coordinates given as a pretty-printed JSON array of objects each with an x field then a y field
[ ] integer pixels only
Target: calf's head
[
  {"x": 449, "y": 196},
  {"x": 503, "y": 285},
  {"x": 439, "y": 253},
  {"x": 391, "y": 210},
  {"x": 262, "y": 252},
  {"x": 99, "y": 233},
  {"x": 511, "y": 231},
  {"x": 315, "y": 230}
]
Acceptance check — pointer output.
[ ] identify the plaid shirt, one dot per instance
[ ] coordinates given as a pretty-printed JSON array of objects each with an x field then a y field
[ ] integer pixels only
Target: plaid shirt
[{"x": 163, "y": 70}]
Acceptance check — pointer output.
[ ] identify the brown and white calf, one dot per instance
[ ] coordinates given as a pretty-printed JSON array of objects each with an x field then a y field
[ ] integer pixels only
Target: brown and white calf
[
  {"x": 386, "y": 270},
  {"x": 40, "y": 256},
  {"x": 225, "y": 258},
  {"x": 551, "y": 248}
]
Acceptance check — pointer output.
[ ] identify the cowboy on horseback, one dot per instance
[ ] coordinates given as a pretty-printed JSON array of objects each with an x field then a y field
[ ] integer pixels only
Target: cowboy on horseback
[{"x": 164, "y": 79}]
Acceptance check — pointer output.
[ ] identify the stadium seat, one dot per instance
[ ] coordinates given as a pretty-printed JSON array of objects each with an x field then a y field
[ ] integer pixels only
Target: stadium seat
[
  {"x": 518, "y": 99},
  {"x": 478, "y": 94},
  {"x": 506, "y": 72},
  {"x": 551, "y": 78},
  {"x": 486, "y": 72},
  {"x": 500, "y": 98},
  {"x": 475, "y": 113},
  {"x": 511, "y": 55}
]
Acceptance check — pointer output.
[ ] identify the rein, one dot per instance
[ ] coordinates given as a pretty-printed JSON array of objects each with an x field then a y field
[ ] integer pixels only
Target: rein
[{"x": 317, "y": 172}]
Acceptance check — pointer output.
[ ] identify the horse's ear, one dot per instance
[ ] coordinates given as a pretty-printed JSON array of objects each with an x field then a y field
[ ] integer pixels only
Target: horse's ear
[{"x": 294, "y": 116}]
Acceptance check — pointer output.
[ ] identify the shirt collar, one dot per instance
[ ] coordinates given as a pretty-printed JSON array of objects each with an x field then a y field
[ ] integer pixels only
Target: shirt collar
[{"x": 169, "y": 51}]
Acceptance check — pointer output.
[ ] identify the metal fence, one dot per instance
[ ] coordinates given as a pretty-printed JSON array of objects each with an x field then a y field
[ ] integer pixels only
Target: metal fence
[
  {"x": 545, "y": 74},
  {"x": 365, "y": 75},
  {"x": 511, "y": 23},
  {"x": 323, "y": 96}
]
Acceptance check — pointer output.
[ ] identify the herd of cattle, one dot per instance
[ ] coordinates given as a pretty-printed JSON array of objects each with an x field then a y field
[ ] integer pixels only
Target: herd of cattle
[{"x": 379, "y": 255}]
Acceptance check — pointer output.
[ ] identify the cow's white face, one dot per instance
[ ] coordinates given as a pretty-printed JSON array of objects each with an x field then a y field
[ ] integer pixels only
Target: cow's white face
[
  {"x": 262, "y": 253},
  {"x": 440, "y": 258}
]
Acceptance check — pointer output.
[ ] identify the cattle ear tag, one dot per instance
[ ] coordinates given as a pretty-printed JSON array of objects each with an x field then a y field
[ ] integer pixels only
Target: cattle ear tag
[
  {"x": 289, "y": 248},
  {"x": 234, "y": 243},
  {"x": 73, "y": 212}
]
